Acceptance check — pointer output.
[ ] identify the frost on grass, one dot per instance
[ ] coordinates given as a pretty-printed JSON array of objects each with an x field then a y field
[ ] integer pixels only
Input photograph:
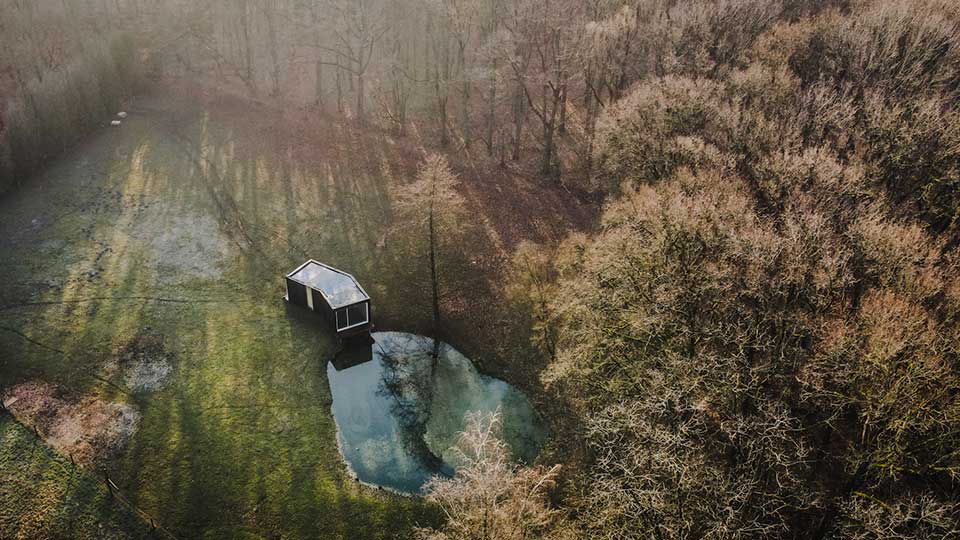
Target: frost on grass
[
  {"x": 89, "y": 429},
  {"x": 143, "y": 363},
  {"x": 181, "y": 245},
  {"x": 146, "y": 374}
]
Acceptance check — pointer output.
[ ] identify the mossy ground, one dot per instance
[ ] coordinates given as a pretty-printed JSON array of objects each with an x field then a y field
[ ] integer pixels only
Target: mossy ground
[
  {"x": 42, "y": 495},
  {"x": 180, "y": 225}
]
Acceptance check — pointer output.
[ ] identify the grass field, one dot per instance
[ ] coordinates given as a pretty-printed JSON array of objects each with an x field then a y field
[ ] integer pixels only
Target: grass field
[
  {"x": 42, "y": 495},
  {"x": 170, "y": 234}
]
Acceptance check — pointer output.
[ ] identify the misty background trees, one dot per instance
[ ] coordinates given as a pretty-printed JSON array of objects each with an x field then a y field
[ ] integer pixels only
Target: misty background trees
[
  {"x": 517, "y": 80},
  {"x": 63, "y": 71}
]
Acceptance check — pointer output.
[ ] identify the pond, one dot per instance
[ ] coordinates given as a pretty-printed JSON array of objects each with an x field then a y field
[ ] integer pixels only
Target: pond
[{"x": 398, "y": 414}]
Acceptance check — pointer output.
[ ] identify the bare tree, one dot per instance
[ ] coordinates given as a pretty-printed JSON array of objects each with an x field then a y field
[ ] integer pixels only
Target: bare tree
[
  {"x": 431, "y": 206},
  {"x": 358, "y": 27},
  {"x": 490, "y": 58},
  {"x": 490, "y": 497},
  {"x": 247, "y": 66},
  {"x": 270, "y": 9},
  {"x": 608, "y": 41},
  {"x": 540, "y": 34}
]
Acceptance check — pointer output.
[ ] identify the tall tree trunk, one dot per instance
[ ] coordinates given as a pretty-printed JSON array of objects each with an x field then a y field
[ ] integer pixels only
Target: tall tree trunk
[
  {"x": 444, "y": 132},
  {"x": 360, "y": 97},
  {"x": 318, "y": 67},
  {"x": 465, "y": 93},
  {"x": 318, "y": 87},
  {"x": 492, "y": 89},
  {"x": 547, "y": 167},
  {"x": 247, "y": 49},
  {"x": 339, "y": 88},
  {"x": 563, "y": 108},
  {"x": 519, "y": 112},
  {"x": 106, "y": 14},
  {"x": 491, "y": 110},
  {"x": 440, "y": 80},
  {"x": 274, "y": 53},
  {"x": 433, "y": 271},
  {"x": 441, "y": 96}
]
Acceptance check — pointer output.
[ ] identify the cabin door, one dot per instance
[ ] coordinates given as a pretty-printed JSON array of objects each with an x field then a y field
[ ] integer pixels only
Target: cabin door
[{"x": 310, "y": 299}]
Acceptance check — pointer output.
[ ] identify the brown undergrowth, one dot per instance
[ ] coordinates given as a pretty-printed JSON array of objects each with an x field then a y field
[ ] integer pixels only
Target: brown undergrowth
[{"x": 87, "y": 428}]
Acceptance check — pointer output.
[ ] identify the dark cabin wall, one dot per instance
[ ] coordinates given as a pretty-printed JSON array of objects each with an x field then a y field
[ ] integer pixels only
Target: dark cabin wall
[
  {"x": 297, "y": 293},
  {"x": 320, "y": 305}
]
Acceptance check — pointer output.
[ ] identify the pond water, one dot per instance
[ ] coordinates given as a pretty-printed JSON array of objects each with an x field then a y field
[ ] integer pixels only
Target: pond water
[{"x": 398, "y": 414}]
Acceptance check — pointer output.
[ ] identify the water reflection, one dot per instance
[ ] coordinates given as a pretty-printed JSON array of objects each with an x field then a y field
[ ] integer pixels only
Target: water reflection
[{"x": 399, "y": 404}]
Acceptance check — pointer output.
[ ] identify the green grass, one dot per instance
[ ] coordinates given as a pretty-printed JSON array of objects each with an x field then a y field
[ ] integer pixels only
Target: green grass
[
  {"x": 42, "y": 495},
  {"x": 162, "y": 229}
]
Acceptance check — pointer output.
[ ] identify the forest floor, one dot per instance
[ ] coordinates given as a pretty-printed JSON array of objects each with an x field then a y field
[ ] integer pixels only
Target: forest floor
[{"x": 142, "y": 330}]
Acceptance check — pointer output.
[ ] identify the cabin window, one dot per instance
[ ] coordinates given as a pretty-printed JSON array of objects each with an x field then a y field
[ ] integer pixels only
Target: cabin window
[
  {"x": 357, "y": 314},
  {"x": 352, "y": 316}
]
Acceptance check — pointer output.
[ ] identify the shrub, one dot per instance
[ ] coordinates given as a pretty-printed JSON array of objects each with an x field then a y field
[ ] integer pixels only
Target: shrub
[
  {"x": 916, "y": 518},
  {"x": 639, "y": 138},
  {"x": 913, "y": 149},
  {"x": 23, "y": 138},
  {"x": 898, "y": 256},
  {"x": 812, "y": 179},
  {"x": 673, "y": 330},
  {"x": 904, "y": 47},
  {"x": 531, "y": 286},
  {"x": 708, "y": 38},
  {"x": 761, "y": 338}
]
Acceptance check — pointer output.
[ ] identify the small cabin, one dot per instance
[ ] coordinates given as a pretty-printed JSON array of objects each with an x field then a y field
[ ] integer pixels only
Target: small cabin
[{"x": 333, "y": 293}]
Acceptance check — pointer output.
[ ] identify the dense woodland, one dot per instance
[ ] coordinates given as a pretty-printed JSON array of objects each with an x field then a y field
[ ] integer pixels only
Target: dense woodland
[{"x": 761, "y": 336}]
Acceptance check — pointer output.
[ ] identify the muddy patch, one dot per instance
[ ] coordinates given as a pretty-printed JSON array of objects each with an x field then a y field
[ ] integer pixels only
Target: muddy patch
[
  {"x": 88, "y": 429},
  {"x": 142, "y": 365}
]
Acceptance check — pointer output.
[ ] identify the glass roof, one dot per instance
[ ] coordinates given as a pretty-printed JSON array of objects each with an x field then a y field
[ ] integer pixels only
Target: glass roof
[{"x": 339, "y": 288}]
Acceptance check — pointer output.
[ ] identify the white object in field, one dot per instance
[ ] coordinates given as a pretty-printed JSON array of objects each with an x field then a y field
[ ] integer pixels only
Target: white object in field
[
  {"x": 114, "y": 122},
  {"x": 121, "y": 114}
]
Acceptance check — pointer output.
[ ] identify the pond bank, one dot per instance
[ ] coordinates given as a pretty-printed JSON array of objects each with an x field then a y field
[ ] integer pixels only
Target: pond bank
[{"x": 399, "y": 410}]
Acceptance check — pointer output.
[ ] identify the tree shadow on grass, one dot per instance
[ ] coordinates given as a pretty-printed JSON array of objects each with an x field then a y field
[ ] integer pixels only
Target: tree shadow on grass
[{"x": 47, "y": 497}]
